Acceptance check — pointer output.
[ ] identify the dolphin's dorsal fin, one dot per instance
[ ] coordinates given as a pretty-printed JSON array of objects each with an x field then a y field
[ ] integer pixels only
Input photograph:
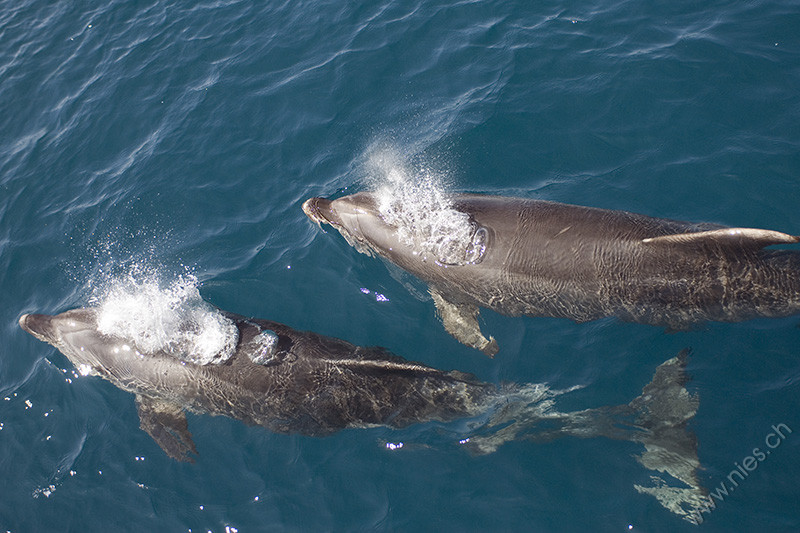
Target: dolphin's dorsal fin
[
  {"x": 734, "y": 237},
  {"x": 166, "y": 423}
]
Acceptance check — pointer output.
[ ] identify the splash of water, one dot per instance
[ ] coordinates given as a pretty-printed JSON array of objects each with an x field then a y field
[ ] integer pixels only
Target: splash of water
[
  {"x": 171, "y": 317},
  {"x": 417, "y": 203}
]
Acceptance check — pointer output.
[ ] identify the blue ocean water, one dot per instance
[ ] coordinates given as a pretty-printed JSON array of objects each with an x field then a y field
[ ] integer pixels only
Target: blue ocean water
[{"x": 185, "y": 136}]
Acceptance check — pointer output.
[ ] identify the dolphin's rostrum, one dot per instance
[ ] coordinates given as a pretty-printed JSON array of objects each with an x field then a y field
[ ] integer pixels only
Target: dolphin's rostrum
[
  {"x": 529, "y": 257},
  {"x": 300, "y": 382}
]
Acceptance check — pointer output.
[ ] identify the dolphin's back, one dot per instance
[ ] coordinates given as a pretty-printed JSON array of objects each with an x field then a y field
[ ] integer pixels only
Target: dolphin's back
[
  {"x": 584, "y": 263},
  {"x": 316, "y": 385}
]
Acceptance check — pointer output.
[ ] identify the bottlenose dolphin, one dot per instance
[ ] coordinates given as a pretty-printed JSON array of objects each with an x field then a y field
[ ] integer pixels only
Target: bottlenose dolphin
[
  {"x": 537, "y": 258},
  {"x": 291, "y": 381}
]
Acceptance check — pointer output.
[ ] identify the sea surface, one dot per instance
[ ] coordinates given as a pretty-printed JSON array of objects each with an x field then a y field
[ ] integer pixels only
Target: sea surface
[{"x": 181, "y": 139}]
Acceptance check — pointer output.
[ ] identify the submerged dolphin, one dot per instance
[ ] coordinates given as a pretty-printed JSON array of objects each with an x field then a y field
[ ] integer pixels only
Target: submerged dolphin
[
  {"x": 538, "y": 258},
  {"x": 300, "y": 382}
]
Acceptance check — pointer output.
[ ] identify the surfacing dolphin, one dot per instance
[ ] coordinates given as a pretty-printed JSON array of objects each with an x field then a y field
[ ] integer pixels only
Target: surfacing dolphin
[
  {"x": 529, "y": 257},
  {"x": 300, "y": 382}
]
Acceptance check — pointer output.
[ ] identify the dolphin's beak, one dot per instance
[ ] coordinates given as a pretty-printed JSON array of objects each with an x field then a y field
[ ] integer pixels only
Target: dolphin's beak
[
  {"x": 319, "y": 210},
  {"x": 342, "y": 211},
  {"x": 40, "y": 326}
]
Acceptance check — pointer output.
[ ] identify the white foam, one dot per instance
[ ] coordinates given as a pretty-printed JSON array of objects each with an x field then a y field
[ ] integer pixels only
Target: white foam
[
  {"x": 263, "y": 346},
  {"x": 417, "y": 203},
  {"x": 166, "y": 317}
]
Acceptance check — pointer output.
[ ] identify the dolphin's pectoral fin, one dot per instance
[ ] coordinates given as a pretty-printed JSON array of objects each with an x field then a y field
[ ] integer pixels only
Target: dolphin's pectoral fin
[
  {"x": 733, "y": 237},
  {"x": 461, "y": 321},
  {"x": 166, "y": 423}
]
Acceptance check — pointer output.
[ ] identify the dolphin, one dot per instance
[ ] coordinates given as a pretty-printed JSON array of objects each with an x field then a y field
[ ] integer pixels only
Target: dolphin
[
  {"x": 537, "y": 258},
  {"x": 300, "y": 382}
]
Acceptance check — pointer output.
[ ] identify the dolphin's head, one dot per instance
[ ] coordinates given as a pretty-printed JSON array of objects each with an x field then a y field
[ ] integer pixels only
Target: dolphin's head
[
  {"x": 357, "y": 218},
  {"x": 446, "y": 237},
  {"x": 75, "y": 333}
]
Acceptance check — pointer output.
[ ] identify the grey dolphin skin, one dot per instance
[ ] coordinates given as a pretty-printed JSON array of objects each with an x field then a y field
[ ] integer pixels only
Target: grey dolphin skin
[
  {"x": 538, "y": 258},
  {"x": 300, "y": 382}
]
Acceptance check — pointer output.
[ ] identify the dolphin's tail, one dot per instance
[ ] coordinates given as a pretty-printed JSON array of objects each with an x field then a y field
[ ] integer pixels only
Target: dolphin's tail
[
  {"x": 663, "y": 410},
  {"x": 657, "y": 419}
]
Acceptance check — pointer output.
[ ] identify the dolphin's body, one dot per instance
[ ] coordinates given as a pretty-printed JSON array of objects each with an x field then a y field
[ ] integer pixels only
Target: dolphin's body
[
  {"x": 538, "y": 258},
  {"x": 285, "y": 380},
  {"x": 300, "y": 382}
]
